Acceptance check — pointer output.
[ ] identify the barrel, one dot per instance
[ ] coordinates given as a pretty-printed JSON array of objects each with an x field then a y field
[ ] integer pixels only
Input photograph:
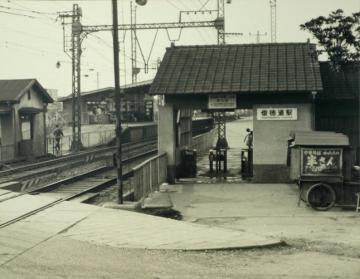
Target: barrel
[{"x": 319, "y": 196}]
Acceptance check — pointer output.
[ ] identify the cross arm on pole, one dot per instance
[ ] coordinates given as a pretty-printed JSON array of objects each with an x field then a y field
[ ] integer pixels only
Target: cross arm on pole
[{"x": 146, "y": 26}]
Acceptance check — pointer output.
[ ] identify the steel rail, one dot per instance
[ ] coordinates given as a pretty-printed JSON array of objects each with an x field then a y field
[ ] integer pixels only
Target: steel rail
[
  {"x": 127, "y": 158},
  {"x": 52, "y": 165},
  {"x": 98, "y": 187},
  {"x": 65, "y": 158}
]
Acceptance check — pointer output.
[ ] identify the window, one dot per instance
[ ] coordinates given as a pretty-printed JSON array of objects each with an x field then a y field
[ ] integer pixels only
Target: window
[
  {"x": 29, "y": 95},
  {"x": 26, "y": 127}
]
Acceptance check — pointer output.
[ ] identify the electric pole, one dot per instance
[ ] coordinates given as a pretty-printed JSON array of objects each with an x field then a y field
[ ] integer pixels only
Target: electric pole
[
  {"x": 75, "y": 50},
  {"x": 134, "y": 68},
  {"x": 258, "y": 35},
  {"x": 273, "y": 22},
  {"x": 221, "y": 20},
  {"x": 117, "y": 101}
]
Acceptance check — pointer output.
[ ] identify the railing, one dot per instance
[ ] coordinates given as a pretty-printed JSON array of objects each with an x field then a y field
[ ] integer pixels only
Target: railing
[
  {"x": 148, "y": 176},
  {"x": 7, "y": 152},
  {"x": 202, "y": 143},
  {"x": 88, "y": 139}
]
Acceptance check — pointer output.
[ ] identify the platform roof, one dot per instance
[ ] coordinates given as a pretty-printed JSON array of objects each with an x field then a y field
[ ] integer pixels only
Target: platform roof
[
  {"x": 245, "y": 68},
  {"x": 11, "y": 90},
  {"x": 110, "y": 90}
]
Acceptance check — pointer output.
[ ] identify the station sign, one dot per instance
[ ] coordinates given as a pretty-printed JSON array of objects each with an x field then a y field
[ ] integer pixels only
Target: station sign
[
  {"x": 276, "y": 114},
  {"x": 321, "y": 161},
  {"x": 222, "y": 101}
]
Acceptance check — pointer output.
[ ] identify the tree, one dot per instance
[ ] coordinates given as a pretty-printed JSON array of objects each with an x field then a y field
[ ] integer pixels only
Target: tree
[{"x": 338, "y": 36}]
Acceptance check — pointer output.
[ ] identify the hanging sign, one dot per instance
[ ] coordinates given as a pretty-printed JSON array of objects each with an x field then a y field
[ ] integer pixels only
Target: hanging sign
[
  {"x": 276, "y": 114},
  {"x": 222, "y": 101},
  {"x": 321, "y": 161}
]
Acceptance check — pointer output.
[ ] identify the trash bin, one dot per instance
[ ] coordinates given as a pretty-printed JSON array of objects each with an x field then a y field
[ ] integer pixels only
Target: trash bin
[
  {"x": 187, "y": 167},
  {"x": 246, "y": 163}
]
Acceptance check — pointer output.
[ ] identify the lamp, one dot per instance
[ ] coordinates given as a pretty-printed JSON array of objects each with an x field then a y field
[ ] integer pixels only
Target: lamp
[{"x": 141, "y": 2}]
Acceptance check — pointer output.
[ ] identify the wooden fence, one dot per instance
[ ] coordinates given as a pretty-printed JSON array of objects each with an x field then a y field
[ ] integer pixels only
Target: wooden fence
[
  {"x": 149, "y": 175},
  {"x": 202, "y": 143}
]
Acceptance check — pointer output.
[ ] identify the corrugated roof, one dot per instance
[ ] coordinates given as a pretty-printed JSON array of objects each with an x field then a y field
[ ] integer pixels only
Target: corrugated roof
[
  {"x": 319, "y": 138},
  {"x": 104, "y": 90},
  {"x": 12, "y": 89},
  {"x": 238, "y": 68}
]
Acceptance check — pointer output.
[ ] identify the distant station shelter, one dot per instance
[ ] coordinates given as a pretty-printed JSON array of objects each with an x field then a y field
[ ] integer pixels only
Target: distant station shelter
[
  {"x": 23, "y": 105},
  {"x": 279, "y": 82},
  {"x": 98, "y": 106}
]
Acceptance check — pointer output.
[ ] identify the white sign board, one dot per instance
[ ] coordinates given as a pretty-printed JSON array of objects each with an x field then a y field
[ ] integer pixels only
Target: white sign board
[
  {"x": 222, "y": 101},
  {"x": 276, "y": 114}
]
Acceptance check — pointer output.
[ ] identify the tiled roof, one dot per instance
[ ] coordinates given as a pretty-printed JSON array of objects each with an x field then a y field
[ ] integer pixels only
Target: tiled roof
[
  {"x": 13, "y": 89},
  {"x": 238, "y": 68}
]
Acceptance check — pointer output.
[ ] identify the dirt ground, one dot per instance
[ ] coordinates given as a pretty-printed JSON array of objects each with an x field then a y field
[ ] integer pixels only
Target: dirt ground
[{"x": 318, "y": 244}]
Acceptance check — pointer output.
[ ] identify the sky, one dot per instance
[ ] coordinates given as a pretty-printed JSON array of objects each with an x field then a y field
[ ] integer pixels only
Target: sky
[{"x": 31, "y": 35}]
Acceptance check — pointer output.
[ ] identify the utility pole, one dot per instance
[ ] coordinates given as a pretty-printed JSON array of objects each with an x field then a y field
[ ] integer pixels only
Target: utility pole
[
  {"x": 75, "y": 49},
  {"x": 134, "y": 68},
  {"x": 273, "y": 22},
  {"x": 220, "y": 116},
  {"x": 117, "y": 101},
  {"x": 221, "y": 20},
  {"x": 258, "y": 34}
]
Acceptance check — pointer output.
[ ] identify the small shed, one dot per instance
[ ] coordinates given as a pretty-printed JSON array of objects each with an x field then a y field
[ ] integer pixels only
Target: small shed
[{"x": 23, "y": 105}]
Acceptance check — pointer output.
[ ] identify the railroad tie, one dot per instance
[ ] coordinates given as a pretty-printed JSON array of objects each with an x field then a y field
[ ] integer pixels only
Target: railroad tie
[
  {"x": 29, "y": 183},
  {"x": 89, "y": 158}
]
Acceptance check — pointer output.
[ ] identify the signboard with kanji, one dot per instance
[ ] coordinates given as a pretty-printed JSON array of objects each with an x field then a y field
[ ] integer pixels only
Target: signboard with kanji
[
  {"x": 276, "y": 114},
  {"x": 222, "y": 101},
  {"x": 321, "y": 161}
]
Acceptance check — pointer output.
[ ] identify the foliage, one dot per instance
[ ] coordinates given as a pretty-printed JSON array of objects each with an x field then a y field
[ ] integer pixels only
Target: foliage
[{"x": 338, "y": 36}]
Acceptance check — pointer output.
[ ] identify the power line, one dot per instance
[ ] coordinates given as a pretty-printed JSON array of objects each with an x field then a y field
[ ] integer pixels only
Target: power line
[
  {"x": 17, "y": 14},
  {"x": 26, "y": 10},
  {"x": 30, "y": 34},
  {"x": 8, "y": 44}
]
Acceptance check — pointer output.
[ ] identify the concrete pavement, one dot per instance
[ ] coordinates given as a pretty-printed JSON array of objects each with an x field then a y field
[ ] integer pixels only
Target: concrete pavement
[{"x": 116, "y": 228}]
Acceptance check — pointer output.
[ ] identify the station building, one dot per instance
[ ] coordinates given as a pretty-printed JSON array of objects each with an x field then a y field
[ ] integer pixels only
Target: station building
[
  {"x": 279, "y": 82},
  {"x": 98, "y": 106},
  {"x": 23, "y": 105}
]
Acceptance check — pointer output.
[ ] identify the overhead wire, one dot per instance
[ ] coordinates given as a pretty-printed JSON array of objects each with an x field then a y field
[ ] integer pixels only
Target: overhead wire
[
  {"x": 26, "y": 10},
  {"x": 30, "y": 34},
  {"x": 8, "y": 44},
  {"x": 192, "y": 19},
  {"x": 17, "y": 14}
]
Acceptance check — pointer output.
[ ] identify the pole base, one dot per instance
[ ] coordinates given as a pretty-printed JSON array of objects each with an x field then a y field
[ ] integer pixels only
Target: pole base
[{"x": 76, "y": 146}]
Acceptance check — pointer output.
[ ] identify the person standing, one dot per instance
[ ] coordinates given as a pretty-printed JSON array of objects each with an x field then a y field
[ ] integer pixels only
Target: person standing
[
  {"x": 58, "y": 134},
  {"x": 249, "y": 139},
  {"x": 249, "y": 143}
]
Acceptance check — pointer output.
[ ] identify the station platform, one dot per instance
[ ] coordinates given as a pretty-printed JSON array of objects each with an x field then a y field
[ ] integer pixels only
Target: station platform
[
  {"x": 75, "y": 240},
  {"x": 109, "y": 227}
]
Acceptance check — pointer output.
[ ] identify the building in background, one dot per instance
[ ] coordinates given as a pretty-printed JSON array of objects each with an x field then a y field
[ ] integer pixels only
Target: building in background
[
  {"x": 98, "y": 106},
  {"x": 23, "y": 105}
]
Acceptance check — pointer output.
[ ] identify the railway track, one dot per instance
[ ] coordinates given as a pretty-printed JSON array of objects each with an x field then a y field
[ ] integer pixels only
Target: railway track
[
  {"x": 33, "y": 173},
  {"x": 74, "y": 187}
]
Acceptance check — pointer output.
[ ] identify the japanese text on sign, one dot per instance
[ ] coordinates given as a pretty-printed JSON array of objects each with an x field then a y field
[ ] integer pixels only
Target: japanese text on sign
[
  {"x": 222, "y": 101},
  {"x": 321, "y": 161},
  {"x": 277, "y": 114}
]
